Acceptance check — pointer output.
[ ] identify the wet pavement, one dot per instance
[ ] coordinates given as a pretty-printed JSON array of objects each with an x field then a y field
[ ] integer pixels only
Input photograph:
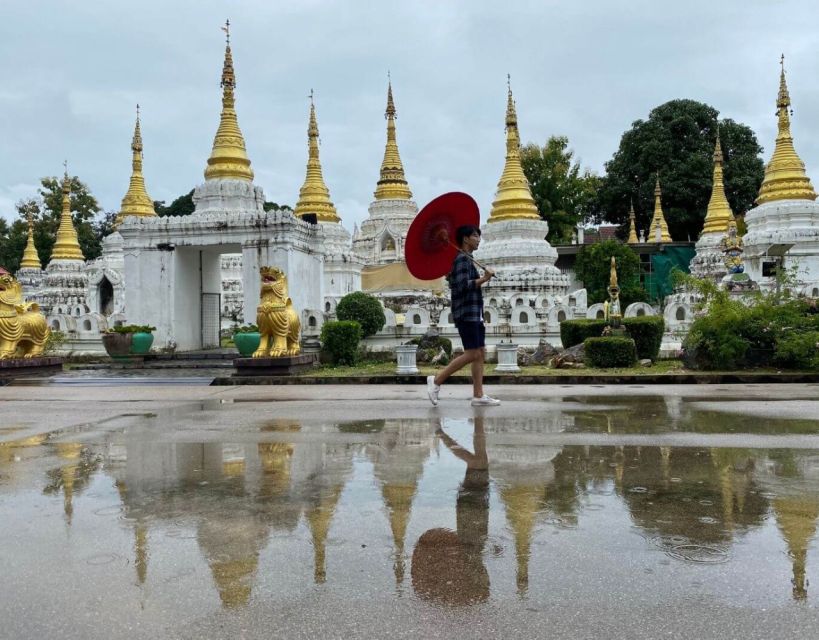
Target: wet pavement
[{"x": 174, "y": 511}]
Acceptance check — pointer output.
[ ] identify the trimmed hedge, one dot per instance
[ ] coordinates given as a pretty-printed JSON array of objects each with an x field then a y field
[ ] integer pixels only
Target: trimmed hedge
[
  {"x": 605, "y": 353},
  {"x": 574, "y": 332},
  {"x": 364, "y": 309},
  {"x": 646, "y": 331},
  {"x": 341, "y": 339}
]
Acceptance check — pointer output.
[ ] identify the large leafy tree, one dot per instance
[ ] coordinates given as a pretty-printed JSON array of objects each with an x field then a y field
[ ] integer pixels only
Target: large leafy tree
[
  {"x": 677, "y": 142},
  {"x": 593, "y": 268},
  {"x": 563, "y": 192},
  {"x": 45, "y": 209}
]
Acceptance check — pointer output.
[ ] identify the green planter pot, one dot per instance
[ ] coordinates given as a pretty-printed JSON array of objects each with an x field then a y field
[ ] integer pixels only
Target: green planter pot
[
  {"x": 141, "y": 343},
  {"x": 246, "y": 343},
  {"x": 117, "y": 345}
]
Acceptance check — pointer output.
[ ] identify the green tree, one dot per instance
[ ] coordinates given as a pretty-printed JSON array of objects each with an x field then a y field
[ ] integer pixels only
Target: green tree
[
  {"x": 677, "y": 142},
  {"x": 274, "y": 206},
  {"x": 181, "y": 206},
  {"x": 364, "y": 309},
  {"x": 563, "y": 193},
  {"x": 593, "y": 268}
]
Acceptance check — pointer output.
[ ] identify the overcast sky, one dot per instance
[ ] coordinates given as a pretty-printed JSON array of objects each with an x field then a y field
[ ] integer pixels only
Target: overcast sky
[{"x": 73, "y": 72}]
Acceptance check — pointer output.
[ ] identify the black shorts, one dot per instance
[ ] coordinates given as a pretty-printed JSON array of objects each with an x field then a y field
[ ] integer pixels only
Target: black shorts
[{"x": 473, "y": 334}]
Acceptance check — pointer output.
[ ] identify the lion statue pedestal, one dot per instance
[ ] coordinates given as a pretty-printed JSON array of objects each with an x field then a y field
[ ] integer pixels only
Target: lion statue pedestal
[{"x": 279, "y": 351}]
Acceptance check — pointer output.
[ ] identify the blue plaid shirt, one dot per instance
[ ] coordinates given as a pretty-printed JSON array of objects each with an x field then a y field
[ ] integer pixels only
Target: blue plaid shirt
[{"x": 467, "y": 299}]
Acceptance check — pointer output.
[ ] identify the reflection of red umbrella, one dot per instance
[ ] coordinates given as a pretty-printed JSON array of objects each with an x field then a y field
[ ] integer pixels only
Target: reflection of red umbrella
[{"x": 430, "y": 247}]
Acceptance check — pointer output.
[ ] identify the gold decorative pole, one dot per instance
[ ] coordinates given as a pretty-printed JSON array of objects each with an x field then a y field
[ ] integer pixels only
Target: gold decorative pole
[
  {"x": 314, "y": 196},
  {"x": 228, "y": 159},
  {"x": 632, "y": 227},
  {"x": 513, "y": 199},
  {"x": 785, "y": 177},
  {"x": 136, "y": 202},
  {"x": 392, "y": 185}
]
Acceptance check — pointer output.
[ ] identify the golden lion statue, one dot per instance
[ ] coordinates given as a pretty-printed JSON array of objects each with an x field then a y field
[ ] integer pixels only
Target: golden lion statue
[
  {"x": 277, "y": 320},
  {"x": 23, "y": 329}
]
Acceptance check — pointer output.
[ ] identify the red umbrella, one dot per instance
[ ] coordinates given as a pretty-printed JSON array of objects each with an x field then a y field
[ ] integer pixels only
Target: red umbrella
[{"x": 431, "y": 247}]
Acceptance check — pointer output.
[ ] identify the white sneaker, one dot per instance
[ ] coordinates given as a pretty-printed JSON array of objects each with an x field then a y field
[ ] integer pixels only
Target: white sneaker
[
  {"x": 432, "y": 390},
  {"x": 485, "y": 401}
]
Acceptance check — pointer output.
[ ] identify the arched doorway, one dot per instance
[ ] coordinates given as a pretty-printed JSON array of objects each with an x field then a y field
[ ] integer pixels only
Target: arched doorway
[{"x": 105, "y": 291}]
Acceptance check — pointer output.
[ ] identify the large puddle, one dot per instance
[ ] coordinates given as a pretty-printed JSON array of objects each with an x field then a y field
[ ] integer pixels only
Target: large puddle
[{"x": 444, "y": 514}]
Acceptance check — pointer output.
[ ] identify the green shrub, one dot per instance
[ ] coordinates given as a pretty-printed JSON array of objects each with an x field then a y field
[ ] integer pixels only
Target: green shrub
[
  {"x": 610, "y": 352},
  {"x": 246, "y": 328},
  {"x": 798, "y": 350},
  {"x": 364, "y": 309},
  {"x": 574, "y": 332},
  {"x": 647, "y": 333},
  {"x": 341, "y": 339},
  {"x": 132, "y": 328}
]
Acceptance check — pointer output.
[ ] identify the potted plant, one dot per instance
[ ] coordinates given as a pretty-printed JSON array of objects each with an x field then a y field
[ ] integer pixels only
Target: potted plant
[
  {"x": 246, "y": 338},
  {"x": 127, "y": 340}
]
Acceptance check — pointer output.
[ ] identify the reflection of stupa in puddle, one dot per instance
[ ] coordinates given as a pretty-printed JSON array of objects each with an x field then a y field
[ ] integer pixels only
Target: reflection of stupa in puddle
[
  {"x": 398, "y": 462},
  {"x": 71, "y": 477},
  {"x": 522, "y": 475},
  {"x": 320, "y": 471},
  {"x": 276, "y": 459},
  {"x": 796, "y": 517},
  {"x": 140, "y": 537}
]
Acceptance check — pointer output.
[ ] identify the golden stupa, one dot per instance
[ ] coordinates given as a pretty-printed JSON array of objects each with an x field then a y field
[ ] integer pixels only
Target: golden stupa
[
  {"x": 513, "y": 199},
  {"x": 658, "y": 219},
  {"x": 392, "y": 185},
  {"x": 67, "y": 246},
  {"x": 785, "y": 177},
  {"x": 228, "y": 160},
  {"x": 136, "y": 202},
  {"x": 632, "y": 226},
  {"x": 314, "y": 196},
  {"x": 719, "y": 212},
  {"x": 31, "y": 259}
]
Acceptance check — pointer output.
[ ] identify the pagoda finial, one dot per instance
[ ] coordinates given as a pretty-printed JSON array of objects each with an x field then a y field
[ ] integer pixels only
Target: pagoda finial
[
  {"x": 719, "y": 212},
  {"x": 785, "y": 177},
  {"x": 314, "y": 196},
  {"x": 136, "y": 202},
  {"x": 513, "y": 199},
  {"x": 632, "y": 227},
  {"x": 228, "y": 159},
  {"x": 31, "y": 259},
  {"x": 392, "y": 185},
  {"x": 67, "y": 246},
  {"x": 658, "y": 219}
]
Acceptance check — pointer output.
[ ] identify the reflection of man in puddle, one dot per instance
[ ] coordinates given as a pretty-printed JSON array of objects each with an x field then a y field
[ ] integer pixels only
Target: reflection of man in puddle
[{"x": 447, "y": 566}]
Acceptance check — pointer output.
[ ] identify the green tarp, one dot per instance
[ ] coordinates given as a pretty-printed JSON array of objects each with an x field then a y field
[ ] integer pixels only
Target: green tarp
[{"x": 658, "y": 282}]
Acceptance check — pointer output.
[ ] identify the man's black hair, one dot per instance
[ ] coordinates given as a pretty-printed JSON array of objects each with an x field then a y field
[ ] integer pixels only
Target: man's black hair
[{"x": 464, "y": 232}]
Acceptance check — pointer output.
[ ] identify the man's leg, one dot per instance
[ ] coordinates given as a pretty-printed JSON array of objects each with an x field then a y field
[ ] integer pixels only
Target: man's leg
[
  {"x": 456, "y": 364},
  {"x": 477, "y": 373}
]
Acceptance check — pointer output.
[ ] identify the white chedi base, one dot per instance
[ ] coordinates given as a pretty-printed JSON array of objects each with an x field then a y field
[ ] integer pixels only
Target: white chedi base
[
  {"x": 383, "y": 234},
  {"x": 793, "y": 222},
  {"x": 708, "y": 262},
  {"x": 521, "y": 257},
  {"x": 223, "y": 196}
]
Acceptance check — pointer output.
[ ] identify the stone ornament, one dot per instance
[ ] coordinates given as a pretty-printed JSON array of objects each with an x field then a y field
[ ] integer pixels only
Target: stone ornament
[
  {"x": 278, "y": 322},
  {"x": 23, "y": 329}
]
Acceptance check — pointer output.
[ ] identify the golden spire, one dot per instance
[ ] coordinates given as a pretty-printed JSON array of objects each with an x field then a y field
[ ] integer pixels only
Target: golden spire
[
  {"x": 719, "y": 212},
  {"x": 632, "y": 228},
  {"x": 513, "y": 199},
  {"x": 658, "y": 219},
  {"x": 398, "y": 499},
  {"x": 314, "y": 196},
  {"x": 228, "y": 158},
  {"x": 523, "y": 503},
  {"x": 785, "y": 177},
  {"x": 319, "y": 518},
  {"x": 31, "y": 260},
  {"x": 392, "y": 185},
  {"x": 67, "y": 247},
  {"x": 796, "y": 518},
  {"x": 136, "y": 202}
]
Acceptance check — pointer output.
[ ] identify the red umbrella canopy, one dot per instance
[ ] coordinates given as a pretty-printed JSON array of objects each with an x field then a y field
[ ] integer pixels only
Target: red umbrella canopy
[{"x": 431, "y": 247}]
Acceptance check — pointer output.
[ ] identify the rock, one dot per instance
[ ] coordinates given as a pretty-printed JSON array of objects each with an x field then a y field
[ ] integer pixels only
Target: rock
[
  {"x": 577, "y": 353},
  {"x": 544, "y": 352},
  {"x": 440, "y": 358},
  {"x": 524, "y": 357},
  {"x": 645, "y": 362}
]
